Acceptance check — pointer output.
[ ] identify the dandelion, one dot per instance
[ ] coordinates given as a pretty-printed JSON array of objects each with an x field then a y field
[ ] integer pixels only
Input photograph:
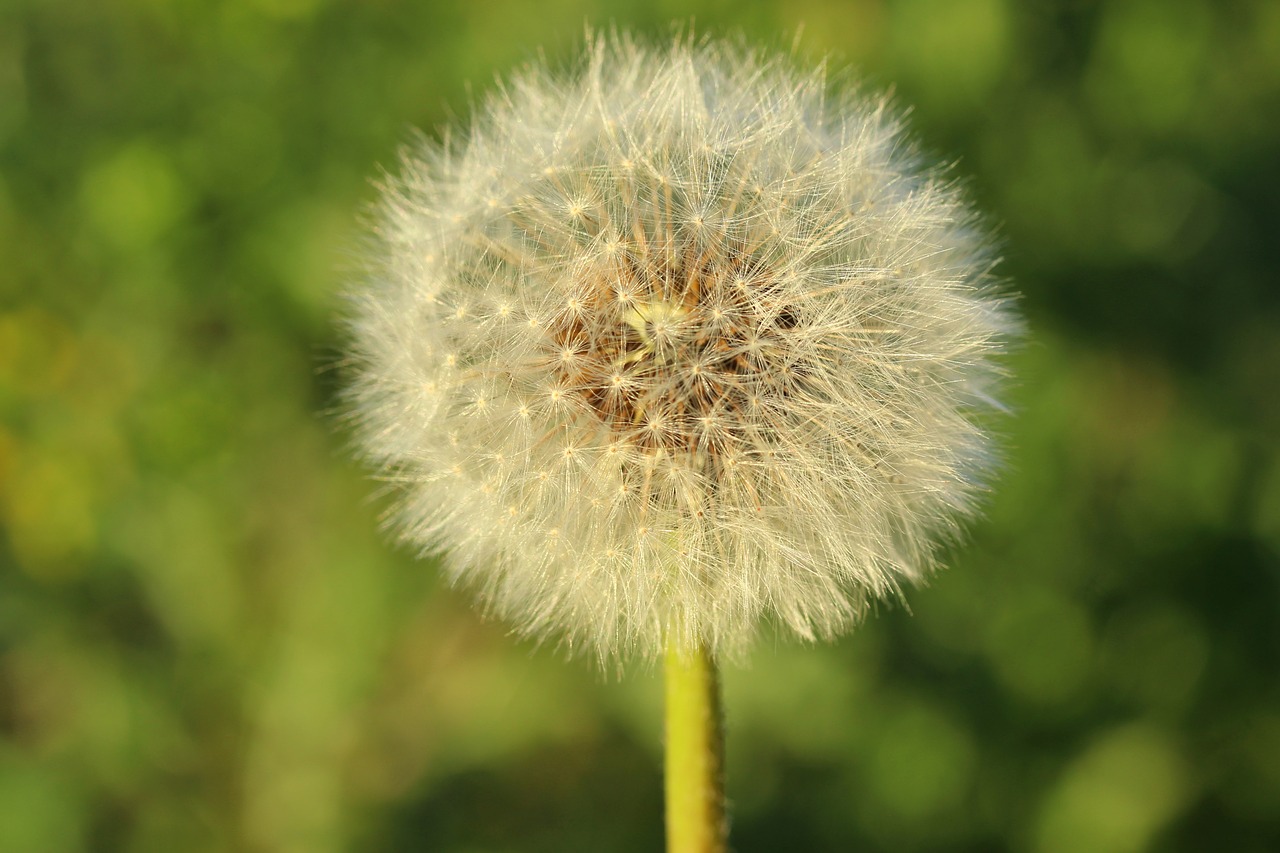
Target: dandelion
[{"x": 676, "y": 345}]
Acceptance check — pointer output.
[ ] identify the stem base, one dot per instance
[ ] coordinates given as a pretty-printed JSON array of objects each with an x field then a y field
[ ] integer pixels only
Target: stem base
[{"x": 694, "y": 753}]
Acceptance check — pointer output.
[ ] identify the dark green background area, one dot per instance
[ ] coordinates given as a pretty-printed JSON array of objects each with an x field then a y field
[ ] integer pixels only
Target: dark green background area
[{"x": 206, "y": 644}]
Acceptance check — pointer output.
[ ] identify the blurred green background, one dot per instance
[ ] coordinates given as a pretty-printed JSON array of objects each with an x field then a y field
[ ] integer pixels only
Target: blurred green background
[{"x": 206, "y": 645}]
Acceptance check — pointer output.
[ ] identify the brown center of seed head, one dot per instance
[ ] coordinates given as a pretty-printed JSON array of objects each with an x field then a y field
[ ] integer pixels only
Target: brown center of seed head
[{"x": 682, "y": 353}]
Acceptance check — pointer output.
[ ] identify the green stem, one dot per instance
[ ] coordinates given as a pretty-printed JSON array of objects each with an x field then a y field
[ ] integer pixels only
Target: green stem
[{"x": 695, "y": 754}]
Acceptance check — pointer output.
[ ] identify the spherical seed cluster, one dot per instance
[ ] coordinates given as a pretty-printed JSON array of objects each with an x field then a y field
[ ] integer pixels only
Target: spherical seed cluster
[{"x": 676, "y": 344}]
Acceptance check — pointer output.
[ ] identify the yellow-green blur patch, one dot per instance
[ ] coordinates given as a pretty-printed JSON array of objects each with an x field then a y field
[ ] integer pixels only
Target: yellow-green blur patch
[{"x": 1117, "y": 795}]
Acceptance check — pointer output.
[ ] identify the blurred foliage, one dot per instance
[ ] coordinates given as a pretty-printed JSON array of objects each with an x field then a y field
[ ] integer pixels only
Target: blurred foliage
[{"x": 206, "y": 645}]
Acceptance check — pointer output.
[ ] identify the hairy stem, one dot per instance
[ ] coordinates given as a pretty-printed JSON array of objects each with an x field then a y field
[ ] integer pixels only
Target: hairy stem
[{"x": 694, "y": 753}]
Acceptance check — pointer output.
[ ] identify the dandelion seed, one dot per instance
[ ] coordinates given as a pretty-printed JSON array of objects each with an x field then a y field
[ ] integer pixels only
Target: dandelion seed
[{"x": 765, "y": 336}]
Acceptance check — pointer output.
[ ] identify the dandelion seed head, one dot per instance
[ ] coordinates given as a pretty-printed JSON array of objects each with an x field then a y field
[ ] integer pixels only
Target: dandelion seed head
[{"x": 678, "y": 343}]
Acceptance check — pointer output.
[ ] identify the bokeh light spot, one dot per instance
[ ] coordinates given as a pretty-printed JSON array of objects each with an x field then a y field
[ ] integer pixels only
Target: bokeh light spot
[
  {"x": 1040, "y": 646},
  {"x": 1116, "y": 796},
  {"x": 133, "y": 196},
  {"x": 921, "y": 763}
]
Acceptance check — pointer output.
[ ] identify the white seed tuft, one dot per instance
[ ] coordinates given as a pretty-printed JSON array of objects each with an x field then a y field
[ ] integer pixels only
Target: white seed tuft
[{"x": 693, "y": 343}]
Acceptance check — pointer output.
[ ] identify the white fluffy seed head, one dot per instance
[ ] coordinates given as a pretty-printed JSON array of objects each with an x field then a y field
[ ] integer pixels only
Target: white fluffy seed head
[{"x": 676, "y": 344}]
